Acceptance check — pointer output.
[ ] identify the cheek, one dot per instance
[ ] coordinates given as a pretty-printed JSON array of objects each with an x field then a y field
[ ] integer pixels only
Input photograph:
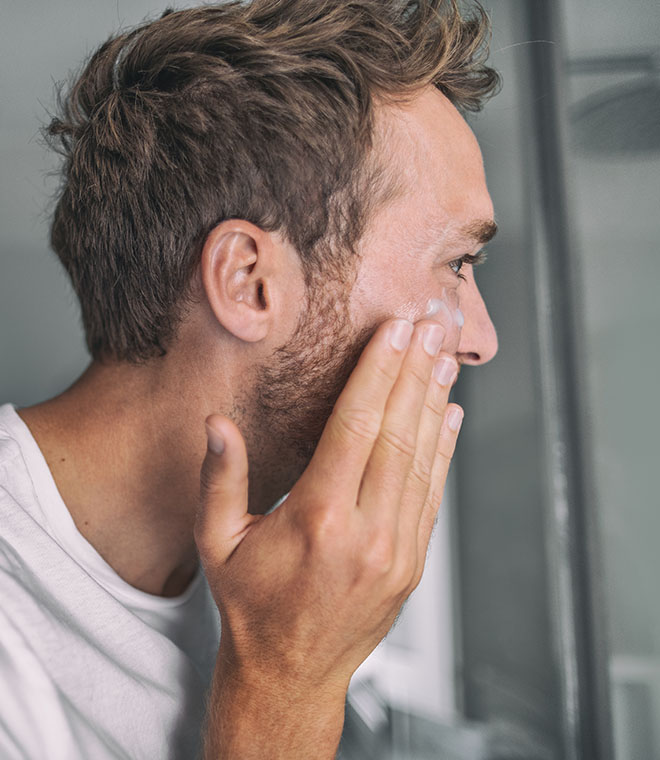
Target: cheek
[
  {"x": 372, "y": 297},
  {"x": 374, "y": 302},
  {"x": 403, "y": 289}
]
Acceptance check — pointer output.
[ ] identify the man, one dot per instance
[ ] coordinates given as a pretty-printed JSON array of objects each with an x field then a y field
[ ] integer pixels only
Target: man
[{"x": 269, "y": 213}]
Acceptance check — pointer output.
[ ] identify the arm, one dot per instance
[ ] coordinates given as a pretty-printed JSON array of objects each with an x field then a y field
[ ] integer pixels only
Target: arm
[
  {"x": 307, "y": 592},
  {"x": 251, "y": 721}
]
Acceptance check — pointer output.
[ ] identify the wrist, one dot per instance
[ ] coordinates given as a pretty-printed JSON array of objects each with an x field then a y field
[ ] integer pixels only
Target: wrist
[{"x": 252, "y": 714}]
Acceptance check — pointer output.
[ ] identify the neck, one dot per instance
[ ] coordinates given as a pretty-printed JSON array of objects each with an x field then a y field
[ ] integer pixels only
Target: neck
[{"x": 125, "y": 445}]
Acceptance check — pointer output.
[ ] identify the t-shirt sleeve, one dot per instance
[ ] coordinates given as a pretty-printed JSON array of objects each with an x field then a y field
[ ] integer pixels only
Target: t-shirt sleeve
[{"x": 33, "y": 725}]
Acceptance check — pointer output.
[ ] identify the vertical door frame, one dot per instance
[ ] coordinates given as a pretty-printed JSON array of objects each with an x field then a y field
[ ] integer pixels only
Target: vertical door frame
[{"x": 575, "y": 567}]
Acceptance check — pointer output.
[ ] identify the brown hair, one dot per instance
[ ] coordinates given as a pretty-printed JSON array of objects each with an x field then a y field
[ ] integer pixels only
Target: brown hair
[{"x": 261, "y": 111}]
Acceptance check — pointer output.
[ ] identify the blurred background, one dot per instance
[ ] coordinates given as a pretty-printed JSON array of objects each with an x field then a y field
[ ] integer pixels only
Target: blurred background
[{"x": 535, "y": 633}]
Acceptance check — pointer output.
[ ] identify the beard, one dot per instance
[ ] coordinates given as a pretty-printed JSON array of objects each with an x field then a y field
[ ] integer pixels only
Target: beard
[{"x": 294, "y": 391}]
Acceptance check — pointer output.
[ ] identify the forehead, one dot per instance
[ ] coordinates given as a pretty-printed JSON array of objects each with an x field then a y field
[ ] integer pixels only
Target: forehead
[{"x": 432, "y": 151}]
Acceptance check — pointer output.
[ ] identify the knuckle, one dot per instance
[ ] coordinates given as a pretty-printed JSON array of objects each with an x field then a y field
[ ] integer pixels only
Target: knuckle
[
  {"x": 402, "y": 441},
  {"x": 397, "y": 587},
  {"x": 320, "y": 524},
  {"x": 361, "y": 422},
  {"x": 420, "y": 474},
  {"x": 404, "y": 573},
  {"x": 387, "y": 373},
  {"x": 378, "y": 555},
  {"x": 418, "y": 375},
  {"x": 206, "y": 479},
  {"x": 434, "y": 498},
  {"x": 443, "y": 456},
  {"x": 423, "y": 553},
  {"x": 416, "y": 578},
  {"x": 437, "y": 408}
]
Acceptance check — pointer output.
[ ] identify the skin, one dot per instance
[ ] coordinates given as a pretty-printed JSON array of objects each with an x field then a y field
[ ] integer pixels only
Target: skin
[{"x": 146, "y": 423}]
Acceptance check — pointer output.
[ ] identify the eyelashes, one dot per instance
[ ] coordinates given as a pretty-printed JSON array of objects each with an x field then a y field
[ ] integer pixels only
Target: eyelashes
[
  {"x": 475, "y": 260},
  {"x": 467, "y": 258}
]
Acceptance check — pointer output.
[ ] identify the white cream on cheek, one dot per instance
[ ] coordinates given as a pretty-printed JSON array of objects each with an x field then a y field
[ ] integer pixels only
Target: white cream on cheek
[
  {"x": 441, "y": 307},
  {"x": 445, "y": 310}
]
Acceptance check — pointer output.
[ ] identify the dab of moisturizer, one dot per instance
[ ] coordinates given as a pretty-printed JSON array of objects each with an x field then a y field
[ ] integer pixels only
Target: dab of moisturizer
[{"x": 446, "y": 308}]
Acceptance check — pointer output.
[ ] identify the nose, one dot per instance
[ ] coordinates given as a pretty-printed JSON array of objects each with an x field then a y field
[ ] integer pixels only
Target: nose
[{"x": 478, "y": 342}]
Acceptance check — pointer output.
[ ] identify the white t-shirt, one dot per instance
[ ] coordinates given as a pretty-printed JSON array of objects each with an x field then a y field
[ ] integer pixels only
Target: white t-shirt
[{"x": 91, "y": 668}]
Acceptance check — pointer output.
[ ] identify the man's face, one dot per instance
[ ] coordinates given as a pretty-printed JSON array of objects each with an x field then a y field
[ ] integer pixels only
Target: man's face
[
  {"x": 408, "y": 256},
  {"x": 443, "y": 212}
]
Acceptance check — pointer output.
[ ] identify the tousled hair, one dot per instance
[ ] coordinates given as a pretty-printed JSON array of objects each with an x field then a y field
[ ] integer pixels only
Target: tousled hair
[{"x": 260, "y": 110}]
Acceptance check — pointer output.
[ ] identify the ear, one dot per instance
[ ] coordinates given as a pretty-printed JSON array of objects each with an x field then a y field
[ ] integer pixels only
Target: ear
[{"x": 237, "y": 266}]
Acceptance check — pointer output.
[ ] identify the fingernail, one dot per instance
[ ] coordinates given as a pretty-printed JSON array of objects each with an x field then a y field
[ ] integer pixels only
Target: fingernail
[
  {"x": 400, "y": 333},
  {"x": 459, "y": 318},
  {"x": 455, "y": 419},
  {"x": 444, "y": 370},
  {"x": 433, "y": 337},
  {"x": 215, "y": 440}
]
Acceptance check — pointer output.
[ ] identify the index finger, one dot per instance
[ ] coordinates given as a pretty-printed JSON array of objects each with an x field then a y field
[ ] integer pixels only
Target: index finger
[{"x": 348, "y": 438}]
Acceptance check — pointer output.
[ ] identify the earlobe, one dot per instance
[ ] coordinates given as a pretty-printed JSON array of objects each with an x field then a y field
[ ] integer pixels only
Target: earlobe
[{"x": 236, "y": 263}]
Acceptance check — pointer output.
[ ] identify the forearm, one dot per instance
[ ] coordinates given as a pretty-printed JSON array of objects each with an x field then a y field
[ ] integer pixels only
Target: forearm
[{"x": 252, "y": 719}]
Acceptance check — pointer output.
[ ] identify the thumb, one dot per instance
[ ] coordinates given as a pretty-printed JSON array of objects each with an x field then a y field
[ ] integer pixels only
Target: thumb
[{"x": 222, "y": 516}]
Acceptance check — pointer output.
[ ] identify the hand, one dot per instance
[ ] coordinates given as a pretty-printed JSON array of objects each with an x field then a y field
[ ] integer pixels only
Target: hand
[{"x": 308, "y": 591}]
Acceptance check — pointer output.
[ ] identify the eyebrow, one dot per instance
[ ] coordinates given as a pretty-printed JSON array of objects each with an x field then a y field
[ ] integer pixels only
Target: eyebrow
[{"x": 483, "y": 230}]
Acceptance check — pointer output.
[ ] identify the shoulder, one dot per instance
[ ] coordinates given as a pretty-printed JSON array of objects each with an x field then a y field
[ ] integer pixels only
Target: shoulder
[
  {"x": 15, "y": 482},
  {"x": 10, "y": 449},
  {"x": 10, "y": 454},
  {"x": 24, "y": 475},
  {"x": 16, "y": 493}
]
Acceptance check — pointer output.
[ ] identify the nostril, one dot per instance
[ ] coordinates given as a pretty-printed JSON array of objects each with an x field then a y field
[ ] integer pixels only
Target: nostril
[{"x": 470, "y": 358}]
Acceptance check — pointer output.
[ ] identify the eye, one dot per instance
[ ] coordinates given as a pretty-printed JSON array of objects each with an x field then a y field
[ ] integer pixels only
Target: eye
[
  {"x": 467, "y": 258},
  {"x": 455, "y": 267}
]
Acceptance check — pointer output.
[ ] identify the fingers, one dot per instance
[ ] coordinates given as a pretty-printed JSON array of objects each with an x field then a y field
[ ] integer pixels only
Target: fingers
[
  {"x": 388, "y": 428},
  {"x": 420, "y": 477},
  {"x": 343, "y": 451},
  {"x": 222, "y": 517},
  {"x": 396, "y": 449},
  {"x": 451, "y": 425}
]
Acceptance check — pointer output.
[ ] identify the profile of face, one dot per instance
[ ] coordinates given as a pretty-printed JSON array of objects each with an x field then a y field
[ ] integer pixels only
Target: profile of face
[{"x": 409, "y": 258}]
